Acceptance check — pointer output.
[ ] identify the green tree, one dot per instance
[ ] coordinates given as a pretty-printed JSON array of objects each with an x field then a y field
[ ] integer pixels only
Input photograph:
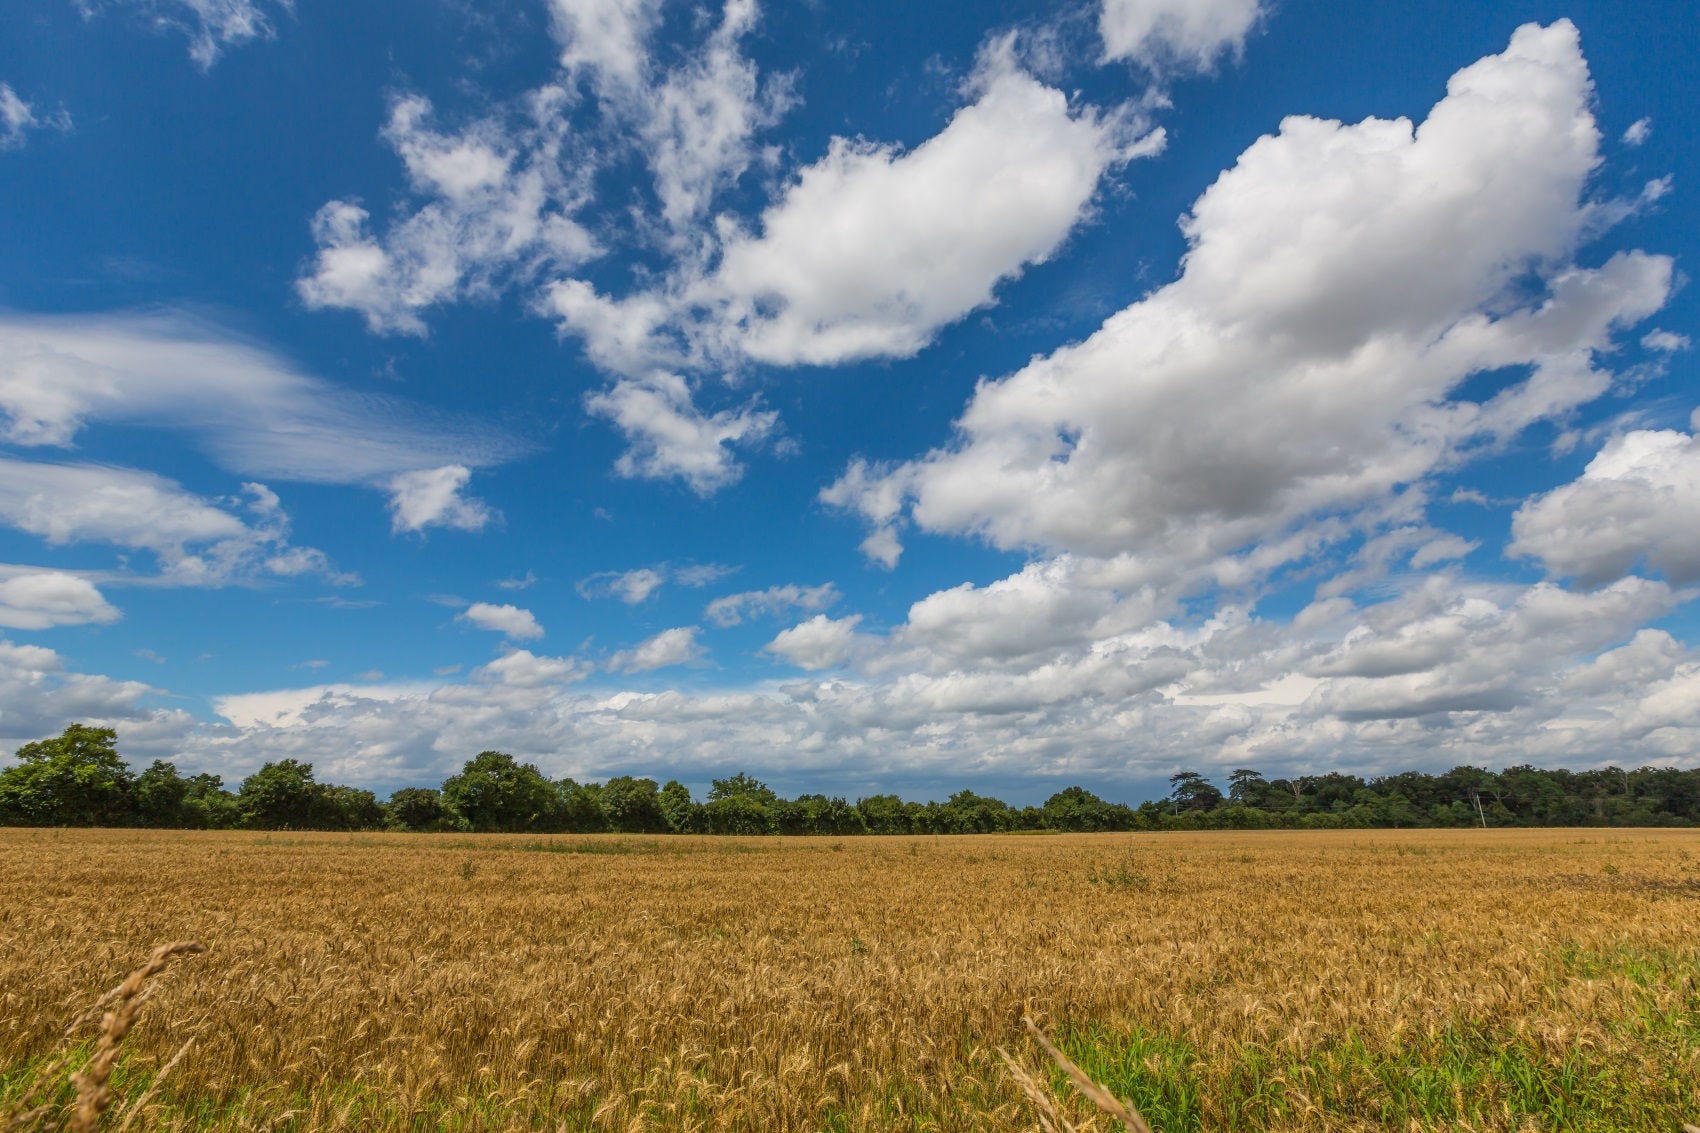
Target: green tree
[
  {"x": 160, "y": 794},
  {"x": 885, "y": 814},
  {"x": 580, "y": 807},
  {"x": 349, "y": 808},
  {"x": 418, "y": 808},
  {"x": 1333, "y": 791},
  {"x": 737, "y": 814},
  {"x": 683, "y": 813},
  {"x": 281, "y": 795},
  {"x": 494, "y": 791},
  {"x": 1247, "y": 788},
  {"x": 741, "y": 786},
  {"x": 74, "y": 779},
  {"x": 1188, "y": 790},
  {"x": 1076, "y": 808},
  {"x": 632, "y": 806},
  {"x": 208, "y": 806},
  {"x": 968, "y": 813},
  {"x": 740, "y": 804},
  {"x": 818, "y": 814}
]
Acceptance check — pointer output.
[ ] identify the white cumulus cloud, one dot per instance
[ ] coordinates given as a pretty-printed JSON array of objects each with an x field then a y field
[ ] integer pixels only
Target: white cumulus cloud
[
  {"x": 819, "y": 643},
  {"x": 1176, "y": 34},
  {"x": 497, "y": 205},
  {"x": 1443, "y": 669},
  {"x": 677, "y": 646},
  {"x": 1342, "y": 282},
  {"x": 34, "y": 599},
  {"x": 867, "y": 252},
  {"x": 432, "y": 497},
  {"x": 512, "y": 621},
  {"x": 606, "y": 41},
  {"x": 670, "y": 438},
  {"x": 41, "y": 694},
  {"x": 521, "y": 668},
  {"x": 872, "y": 249},
  {"x": 1638, "y": 501}
]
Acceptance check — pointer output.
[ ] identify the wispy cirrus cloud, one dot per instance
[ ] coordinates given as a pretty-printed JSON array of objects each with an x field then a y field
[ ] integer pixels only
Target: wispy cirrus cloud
[
  {"x": 639, "y": 585},
  {"x": 731, "y": 609},
  {"x": 249, "y": 409},
  {"x": 212, "y": 26},
  {"x": 19, "y": 119},
  {"x": 195, "y": 541}
]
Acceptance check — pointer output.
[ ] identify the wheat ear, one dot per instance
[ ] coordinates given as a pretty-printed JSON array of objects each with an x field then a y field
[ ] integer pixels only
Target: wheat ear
[{"x": 122, "y": 1006}]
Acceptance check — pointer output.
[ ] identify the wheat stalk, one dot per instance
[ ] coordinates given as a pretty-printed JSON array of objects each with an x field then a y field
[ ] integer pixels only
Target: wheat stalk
[
  {"x": 124, "y": 1007},
  {"x": 1049, "y": 1119},
  {"x": 94, "y": 1097},
  {"x": 136, "y": 1106}
]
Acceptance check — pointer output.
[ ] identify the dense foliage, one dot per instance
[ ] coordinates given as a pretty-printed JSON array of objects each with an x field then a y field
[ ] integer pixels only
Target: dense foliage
[{"x": 79, "y": 779}]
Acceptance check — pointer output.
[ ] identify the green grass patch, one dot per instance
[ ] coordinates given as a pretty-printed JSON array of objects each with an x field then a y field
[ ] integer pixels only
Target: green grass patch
[
  {"x": 1462, "y": 1076},
  {"x": 1645, "y": 967}
]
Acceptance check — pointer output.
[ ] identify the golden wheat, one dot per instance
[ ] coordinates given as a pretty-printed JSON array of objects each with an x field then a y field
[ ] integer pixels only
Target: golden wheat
[{"x": 415, "y": 982}]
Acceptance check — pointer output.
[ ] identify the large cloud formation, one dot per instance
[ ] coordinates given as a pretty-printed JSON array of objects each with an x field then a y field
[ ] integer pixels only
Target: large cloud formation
[
  {"x": 1445, "y": 671},
  {"x": 867, "y": 251},
  {"x": 1341, "y": 283}
]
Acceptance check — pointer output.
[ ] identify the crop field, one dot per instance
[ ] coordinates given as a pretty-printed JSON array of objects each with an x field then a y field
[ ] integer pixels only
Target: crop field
[{"x": 1480, "y": 980}]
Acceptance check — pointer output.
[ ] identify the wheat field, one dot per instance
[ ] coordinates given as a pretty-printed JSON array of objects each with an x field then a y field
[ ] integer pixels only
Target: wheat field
[{"x": 1480, "y": 980}]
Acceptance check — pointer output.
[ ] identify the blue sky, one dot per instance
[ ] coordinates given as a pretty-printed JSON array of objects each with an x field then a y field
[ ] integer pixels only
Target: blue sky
[{"x": 872, "y": 398}]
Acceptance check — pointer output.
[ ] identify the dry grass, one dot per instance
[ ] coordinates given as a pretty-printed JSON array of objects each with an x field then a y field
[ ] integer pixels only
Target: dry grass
[{"x": 1495, "y": 981}]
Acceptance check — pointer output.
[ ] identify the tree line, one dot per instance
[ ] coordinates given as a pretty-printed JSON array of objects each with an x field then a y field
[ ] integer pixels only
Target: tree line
[{"x": 79, "y": 779}]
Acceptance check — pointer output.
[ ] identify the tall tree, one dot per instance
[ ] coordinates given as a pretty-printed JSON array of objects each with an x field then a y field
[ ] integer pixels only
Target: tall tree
[
  {"x": 282, "y": 795},
  {"x": 1247, "y": 788},
  {"x": 494, "y": 791},
  {"x": 885, "y": 814},
  {"x": 632, "y": 805},
  {"x": 418, "y": 808},
  {"x": 683, "y": 813},
  {"x": 580, "y": 807},
  {"x": 160, "y": 795},
  {"x": 1188, "y": 790},
  {"x": 76, "y": 778},
  {"x": 1076, "y": 808},
  {"x": 740, "y": 804}
]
